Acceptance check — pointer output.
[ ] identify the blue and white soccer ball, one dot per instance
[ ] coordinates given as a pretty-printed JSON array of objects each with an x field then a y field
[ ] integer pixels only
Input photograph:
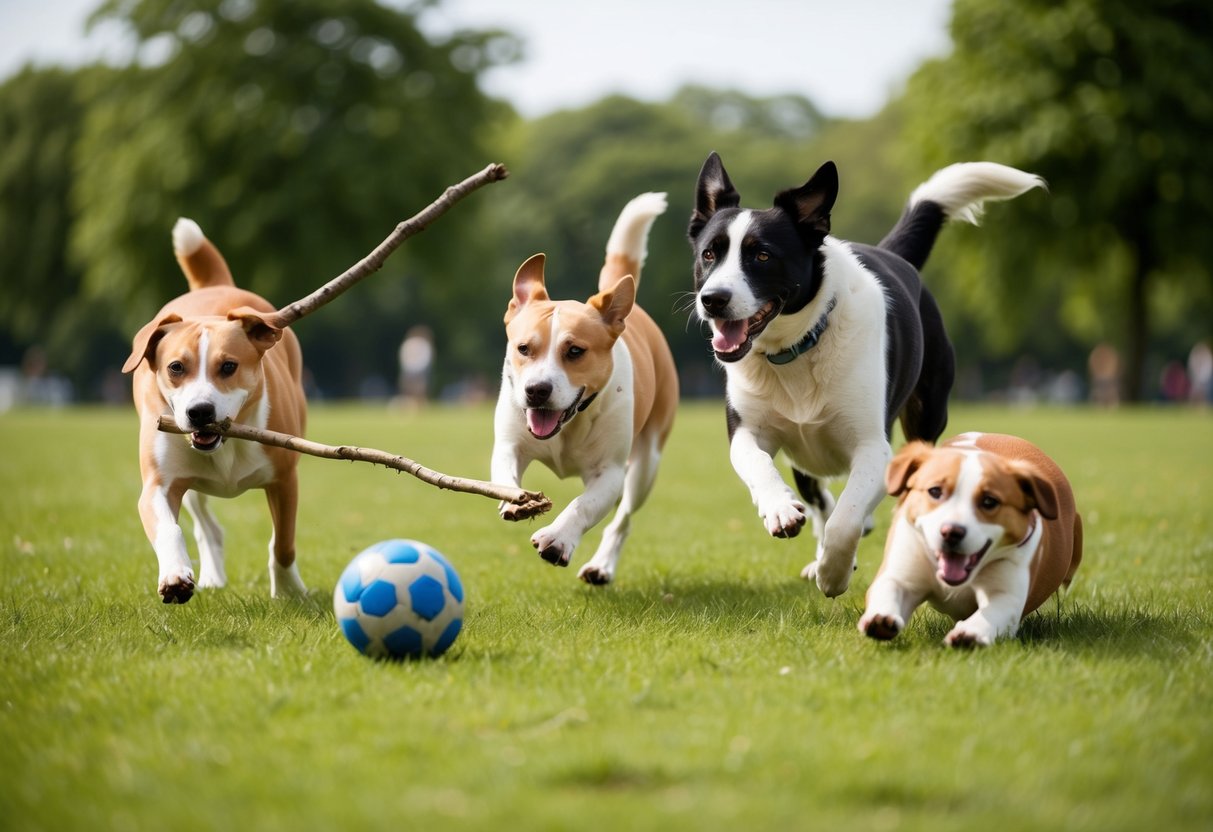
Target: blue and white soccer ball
[{"x": 399, "y": 599}]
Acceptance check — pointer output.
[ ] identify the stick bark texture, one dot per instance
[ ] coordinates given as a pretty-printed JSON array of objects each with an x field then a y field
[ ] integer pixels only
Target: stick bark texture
[
  {"x": 374, "y": 261},
  {"x": 528, "y": 503}
]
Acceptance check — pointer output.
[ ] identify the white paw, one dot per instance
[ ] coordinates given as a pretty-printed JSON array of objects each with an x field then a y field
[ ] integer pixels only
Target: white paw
[
  {"x": 285, "y": 582},
  {"x": 176, "y": 587},
  {"x": 211, "y": 580},
  {"x": 782, "y": 514},
  {"x": 881, "y": 626},
  {"x": 597, "y": 574},
  {"x": 964, "y": 635},
  {"x": 553, "y": 547}
]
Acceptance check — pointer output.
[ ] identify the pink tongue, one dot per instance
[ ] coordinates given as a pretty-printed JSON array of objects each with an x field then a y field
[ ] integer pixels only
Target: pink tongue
[
  {"x": 952, "y": 568},
  {"x": 730, "y": 335},
  {"x": 542, "y": 422}
]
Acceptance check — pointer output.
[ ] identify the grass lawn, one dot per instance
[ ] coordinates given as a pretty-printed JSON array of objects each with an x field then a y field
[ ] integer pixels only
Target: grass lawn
[{"x": 709, "y": 688}]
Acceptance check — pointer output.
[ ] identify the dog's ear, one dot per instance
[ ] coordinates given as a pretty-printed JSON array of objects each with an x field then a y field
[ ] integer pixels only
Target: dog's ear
[
  {"x": 258, "y": 326},
  {"x": 146, "y": 340},
  {"x": 1040, "y": 493},
  {"x": 528, "y": 285},
  {"x": 908, "y": 460},
  {"x": 811, "y": 203},
  {"x": 713, "y": 192},
  {"x": 615, "y": 304}
]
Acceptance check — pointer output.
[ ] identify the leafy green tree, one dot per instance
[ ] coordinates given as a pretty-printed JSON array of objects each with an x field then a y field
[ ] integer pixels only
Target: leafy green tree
[
  {"x": 1112, "y": 102},
  {"x": 297, "y": 133}
]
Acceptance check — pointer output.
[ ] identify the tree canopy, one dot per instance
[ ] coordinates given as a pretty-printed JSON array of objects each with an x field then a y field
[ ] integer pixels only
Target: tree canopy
[{"x": 1112, "y": 102}]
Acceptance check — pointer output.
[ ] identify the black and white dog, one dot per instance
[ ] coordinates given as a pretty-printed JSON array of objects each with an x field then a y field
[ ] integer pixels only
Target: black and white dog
[{"x": 826, "y": 342}]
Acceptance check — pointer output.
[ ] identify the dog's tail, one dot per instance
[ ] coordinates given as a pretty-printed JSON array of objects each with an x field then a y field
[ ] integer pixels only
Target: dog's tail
[
  {"x": 200, "y": 260},
  {"x": 957, "y": 192},
  {"x": 629, "y": 240}
]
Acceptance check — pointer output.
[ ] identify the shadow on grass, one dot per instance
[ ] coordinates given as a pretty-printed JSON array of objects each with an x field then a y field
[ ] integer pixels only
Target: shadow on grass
[{"x": 1123, "y": 628}]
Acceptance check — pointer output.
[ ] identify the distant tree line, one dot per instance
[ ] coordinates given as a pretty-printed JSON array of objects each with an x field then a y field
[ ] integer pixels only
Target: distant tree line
[{"x": 299, "y": 132}]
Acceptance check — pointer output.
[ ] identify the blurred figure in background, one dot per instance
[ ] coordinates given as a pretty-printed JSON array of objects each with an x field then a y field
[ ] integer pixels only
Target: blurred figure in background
[
  {"x": 1103, "y": 365},
  {"x": 416, "y": 361},
  {"x": 1200, "y": 374}
]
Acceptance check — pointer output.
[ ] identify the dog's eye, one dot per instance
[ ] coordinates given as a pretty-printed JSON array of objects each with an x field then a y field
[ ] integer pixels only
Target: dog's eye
[
  {"x": 523, "y": 349},
  {"x": 574, "y": 352},
  {"x": 176, "y": 368},
  {"x": 227, "y": 368},
  {"x": 988, "y": 502},
  {"x": 709, "y": 256},
  {"x": 935, "y": 492},
  {"x": 762, "y": 257}
]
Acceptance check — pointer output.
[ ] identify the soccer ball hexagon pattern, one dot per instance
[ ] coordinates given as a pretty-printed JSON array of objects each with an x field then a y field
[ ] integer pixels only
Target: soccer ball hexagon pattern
[{"x": 399, "y": 599}]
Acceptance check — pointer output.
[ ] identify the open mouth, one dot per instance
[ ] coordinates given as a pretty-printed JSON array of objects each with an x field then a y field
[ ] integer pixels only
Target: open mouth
[
  {"x": 544, "y": 423},
  {"x": 205, "y": 442},
  {"x": 731, "y": 340},
  {"x": 956, "y": 567}
]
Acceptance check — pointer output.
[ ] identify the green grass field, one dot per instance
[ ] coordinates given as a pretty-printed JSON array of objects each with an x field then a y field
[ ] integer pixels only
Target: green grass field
[{"x": 709, "y": 688}]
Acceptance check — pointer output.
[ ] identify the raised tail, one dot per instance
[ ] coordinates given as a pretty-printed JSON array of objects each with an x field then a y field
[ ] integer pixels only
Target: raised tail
[
  {"x": 628, "y": 243},
  {"x": 957, "y": 192},
  {"x": 200, "y": 260}
]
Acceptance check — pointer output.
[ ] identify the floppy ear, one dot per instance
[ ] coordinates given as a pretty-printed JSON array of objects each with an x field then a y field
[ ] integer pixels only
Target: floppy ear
[
  {"x": 908, "y": 460},
  {"x": 1040, "y": 492},
  {"x": 258, "y": 326},
  {"x": 811, "y": 203},
  {"x": 528, "y": 285},
  {"x": 713, "y": 192},
  {"x": 615, "y": 304},
  {"x": 146, "y": 340}
]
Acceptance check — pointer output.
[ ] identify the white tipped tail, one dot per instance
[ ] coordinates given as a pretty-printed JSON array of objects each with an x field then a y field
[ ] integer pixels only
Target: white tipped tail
[
  {"x": 187, "y": 237},
  {"x": 628, "y": 244},
  {"x": 962, "y": 189},
  {"x": 201, "y": 262}
]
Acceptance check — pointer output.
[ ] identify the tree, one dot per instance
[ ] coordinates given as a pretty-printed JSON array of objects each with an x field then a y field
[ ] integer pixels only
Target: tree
[
  {"x": 1112, "y": 102},
  {"x": 297, "y": 133}
]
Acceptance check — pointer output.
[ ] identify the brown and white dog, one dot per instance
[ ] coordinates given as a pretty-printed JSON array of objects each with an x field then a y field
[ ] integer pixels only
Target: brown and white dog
[
  {"x": 588, "y": 389},
  {"x": 211, "y": 354},
  {"x": 985, "y": 529}
]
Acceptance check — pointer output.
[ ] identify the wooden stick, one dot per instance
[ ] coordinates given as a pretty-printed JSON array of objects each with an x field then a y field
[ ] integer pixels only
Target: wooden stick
[
  {"x": 374, "y": 261},
  {"x": 525, "y": 503}
]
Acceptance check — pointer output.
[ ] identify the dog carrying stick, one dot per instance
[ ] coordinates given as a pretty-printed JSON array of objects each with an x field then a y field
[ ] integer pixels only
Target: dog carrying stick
[{"x": 530, "y": 502}]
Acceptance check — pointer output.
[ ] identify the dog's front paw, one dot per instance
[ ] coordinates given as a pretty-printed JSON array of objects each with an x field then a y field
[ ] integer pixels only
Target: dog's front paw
[
  {"x": 176, "y": 588},
  {"x": 553, "y": 548},
  {"x": 831, "y": 580},
  {"x": 596, "y": 574},
  {"x": 783, "y": 515},
  {"x": 880, "y": 626},
  {"x": 963, "y": 636}
]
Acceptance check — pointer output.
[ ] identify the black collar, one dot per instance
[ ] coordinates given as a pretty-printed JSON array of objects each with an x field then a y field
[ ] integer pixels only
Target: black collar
[{"x": 808, "y": 341}]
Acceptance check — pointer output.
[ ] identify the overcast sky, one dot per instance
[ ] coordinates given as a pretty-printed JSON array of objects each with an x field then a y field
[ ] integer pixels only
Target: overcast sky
[{"x": 847, "y": 56}]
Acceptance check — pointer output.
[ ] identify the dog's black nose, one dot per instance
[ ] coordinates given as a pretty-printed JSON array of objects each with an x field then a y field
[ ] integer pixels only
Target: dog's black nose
[
  {"x": 715, "y": 301},
  {"x": 201, "y": 414},
  {"x": 953, "y": 533},
  {"x": 537, "y": 394}
]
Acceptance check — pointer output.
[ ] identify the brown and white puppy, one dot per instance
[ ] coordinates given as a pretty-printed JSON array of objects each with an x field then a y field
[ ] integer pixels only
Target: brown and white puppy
[
  {"x": 588, "y": 389},
  {"x": 985, "y": 529},
  {"x": 211, "y": 354}
]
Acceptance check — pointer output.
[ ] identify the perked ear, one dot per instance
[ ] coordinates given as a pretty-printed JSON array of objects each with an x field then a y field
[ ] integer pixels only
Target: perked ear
[
  {"x": 615, "y": 304},
  {"x": 713, "y": 192},
  {"x": 528, "y": 285},
  {"x": 908, "y": 460},
  {"x": 146, "y": 339},
  {"x": 258, "y": 327},
  {"x": 1040, "y": 492},
  {"x": 811, "y": 203}
]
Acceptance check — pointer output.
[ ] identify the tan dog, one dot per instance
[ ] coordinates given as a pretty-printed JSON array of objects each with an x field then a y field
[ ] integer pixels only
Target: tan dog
[
  {"x": 206, "y": 357},
  {"x": 985, "y": 530},
  {"x": 588, "y": 389}
]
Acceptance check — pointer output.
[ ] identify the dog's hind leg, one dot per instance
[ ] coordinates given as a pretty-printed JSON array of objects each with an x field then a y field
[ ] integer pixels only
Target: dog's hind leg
[
  {"x": 209, "y": 536},
  {"x": 283, "y": 499},
  {"x": 817, "y": 497},
  {"x": 638, "y": 482},
  {"x": 926, "y": 414}
]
